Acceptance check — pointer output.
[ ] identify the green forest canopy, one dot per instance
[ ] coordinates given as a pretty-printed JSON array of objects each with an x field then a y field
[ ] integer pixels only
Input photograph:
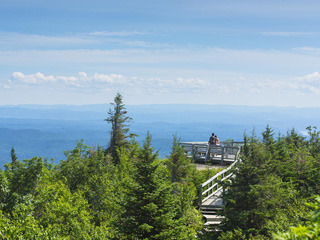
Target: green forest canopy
[{"x": 127, "y": 192}]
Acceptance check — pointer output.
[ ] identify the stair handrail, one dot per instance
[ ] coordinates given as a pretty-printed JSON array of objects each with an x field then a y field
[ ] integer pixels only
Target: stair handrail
[{"x": 214, "y": 181}]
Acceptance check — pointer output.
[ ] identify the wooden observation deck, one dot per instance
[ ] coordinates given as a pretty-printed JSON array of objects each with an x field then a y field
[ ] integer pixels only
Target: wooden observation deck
[{"x": 225, "y": 153}]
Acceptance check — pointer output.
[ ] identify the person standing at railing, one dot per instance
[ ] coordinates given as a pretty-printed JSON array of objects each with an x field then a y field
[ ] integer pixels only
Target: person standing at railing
[
  {"x": 216, "y": 141},
  {"x": 212, "y": 139}
]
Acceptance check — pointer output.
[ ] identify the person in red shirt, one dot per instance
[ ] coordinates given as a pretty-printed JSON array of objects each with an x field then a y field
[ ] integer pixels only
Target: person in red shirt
[{"x": 216, "y": 141}]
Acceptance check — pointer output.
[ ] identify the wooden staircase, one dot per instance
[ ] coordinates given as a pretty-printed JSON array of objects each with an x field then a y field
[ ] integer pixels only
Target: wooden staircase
[
  {"x": 212, "y": 216},
  {"x": 211, "y": 209},
  {"x": 211, "y": 193}
]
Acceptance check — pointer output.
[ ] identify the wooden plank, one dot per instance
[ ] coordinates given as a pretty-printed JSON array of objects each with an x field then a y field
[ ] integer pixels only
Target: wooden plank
[{"x": 214, "y": 201}]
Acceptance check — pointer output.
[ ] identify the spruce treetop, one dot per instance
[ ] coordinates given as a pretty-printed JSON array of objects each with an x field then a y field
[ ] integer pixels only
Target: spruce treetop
[{"x": 119, "y": 134}]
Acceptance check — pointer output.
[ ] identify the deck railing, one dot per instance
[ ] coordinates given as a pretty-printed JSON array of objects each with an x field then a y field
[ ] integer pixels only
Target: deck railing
[
  {"x": 226, "y": 152},
  {"x": 212, "y": 186}
]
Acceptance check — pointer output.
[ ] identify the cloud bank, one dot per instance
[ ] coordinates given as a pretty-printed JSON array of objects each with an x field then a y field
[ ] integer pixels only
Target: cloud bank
[
  {"x": 100, "y": 82},
  {"x": 308, "y": 84}
]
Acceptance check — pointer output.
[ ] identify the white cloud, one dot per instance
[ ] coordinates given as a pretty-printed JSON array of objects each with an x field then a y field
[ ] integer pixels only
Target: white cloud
[
  {"x": 308, "y": 84},
  {"x": 32, "y": 79},
  {"x": 5, "y": 86},
  {"x": 102, "y": 81},
  {"x": 223, "y": 89},
  {"x": 310, "y": 78}
]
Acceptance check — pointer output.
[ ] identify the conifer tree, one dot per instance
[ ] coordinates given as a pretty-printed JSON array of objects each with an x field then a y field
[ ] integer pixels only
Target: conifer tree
[
  {"x": 120, "y": 131},
  {"x": 13, "y": 156},
  {"x": 178, "y": 164},
  {"x": 268, "y": 139},
  {"x": 264, "y": 194},
  {"x": 309, "y": 230},
  {"x": 149, "y": 207},
  {"x": 184, "y": 190},
  {"x": 294, "y": 139},
  {"x": 281, "y": 150},
  {"x": 314, "y": 141}
]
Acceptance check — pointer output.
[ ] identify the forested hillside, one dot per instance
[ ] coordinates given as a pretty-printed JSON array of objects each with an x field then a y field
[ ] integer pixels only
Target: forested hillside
[
  {"x": 121, "y": 192},
  {"x": 125, "y": 191},
  {"x": 274, "y": 188}
]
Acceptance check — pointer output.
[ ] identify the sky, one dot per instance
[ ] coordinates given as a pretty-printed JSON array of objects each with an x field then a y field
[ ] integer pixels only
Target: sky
[{"x": 235, "y": 52}]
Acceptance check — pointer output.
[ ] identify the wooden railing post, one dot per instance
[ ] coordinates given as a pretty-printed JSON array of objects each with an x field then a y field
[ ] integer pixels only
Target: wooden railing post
[
  {"x": 192, "y": 152},
  {"x": 200, "y": 196},
  {"x": 223, "y": 192},
  {"x": 207, "y": 153},
  {"x": 222, "y": 155}
]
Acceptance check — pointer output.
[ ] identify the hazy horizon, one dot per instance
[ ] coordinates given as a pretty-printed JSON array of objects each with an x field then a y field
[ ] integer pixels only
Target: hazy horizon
[
  {"x": 154, "y": 104},
  {"x": 47, "y": 131}
]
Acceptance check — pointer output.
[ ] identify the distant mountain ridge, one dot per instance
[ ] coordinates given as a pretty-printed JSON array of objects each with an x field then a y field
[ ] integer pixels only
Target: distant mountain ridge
[{"x": 48, "y": 130}]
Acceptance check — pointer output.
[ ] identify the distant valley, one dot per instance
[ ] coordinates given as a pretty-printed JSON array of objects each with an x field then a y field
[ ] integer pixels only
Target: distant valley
[{"x": 47, "y": 131}]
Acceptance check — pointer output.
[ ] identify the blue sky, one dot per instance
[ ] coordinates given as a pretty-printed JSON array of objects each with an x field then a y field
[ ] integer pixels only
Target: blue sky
[{"x": 204, "y": 52}]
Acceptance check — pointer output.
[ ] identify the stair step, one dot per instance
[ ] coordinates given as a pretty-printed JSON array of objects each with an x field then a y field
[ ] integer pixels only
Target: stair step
[
  {"x": 210, "y": 212},
  {"x": 213, "y": 218},
  {"x": 212, "y": 223},
  {"x": 211, "y": 206},
  {"x": 211, "y": 209}
]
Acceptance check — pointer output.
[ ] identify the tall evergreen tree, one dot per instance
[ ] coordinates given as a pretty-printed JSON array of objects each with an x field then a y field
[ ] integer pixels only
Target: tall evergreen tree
[
  {"x": 178, "y": 164},
  {"x": 265, "y": 193},
  {"x": 120, "y": 131},
  {"x": 314, "y": 141},
  {"x": 268, "y": 139},
  {"x": 184, "y": 190},
  {"x": 13, "y": 156},
  {"x": 150, "y": 211},
  {"x": 294, "y": 139},
  {"x": 148, "y": 207}
]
